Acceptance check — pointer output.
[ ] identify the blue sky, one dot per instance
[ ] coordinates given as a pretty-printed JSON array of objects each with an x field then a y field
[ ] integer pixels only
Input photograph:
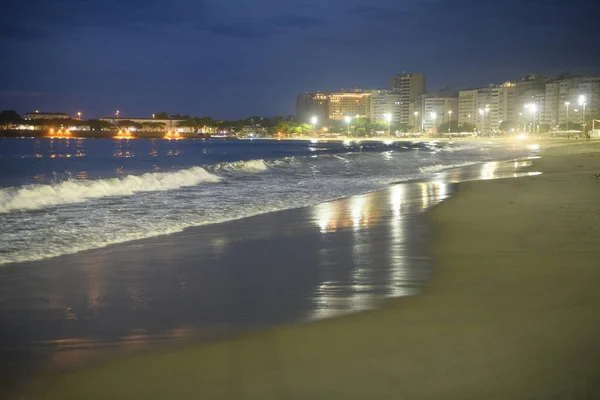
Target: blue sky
[{"x": 234, "y": 58}]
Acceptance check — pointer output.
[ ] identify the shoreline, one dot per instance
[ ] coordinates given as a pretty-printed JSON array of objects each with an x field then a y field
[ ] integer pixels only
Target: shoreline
[
  {"x": 511, "y": 312},
  {"x": 305, "y": 222}
]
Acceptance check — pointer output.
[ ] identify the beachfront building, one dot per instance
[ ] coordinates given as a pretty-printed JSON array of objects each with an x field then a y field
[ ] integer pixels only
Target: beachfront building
[
  {"x": 309, "y": 105},
  {"x": 45, "y": 115},
  {"x": 383, "y": 102},
  {"x": 411, "y": 88},
  {"x": 344, "y": 104},
  {"x": 467, "y": 107},
  {"x": 504, "y": 105},
  {"x": 570, "y": 89},
  {"x": 438, "y": 110}
]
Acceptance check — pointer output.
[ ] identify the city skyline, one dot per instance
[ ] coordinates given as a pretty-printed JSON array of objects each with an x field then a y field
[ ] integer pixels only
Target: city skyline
[{"x": 231, "y": 59}]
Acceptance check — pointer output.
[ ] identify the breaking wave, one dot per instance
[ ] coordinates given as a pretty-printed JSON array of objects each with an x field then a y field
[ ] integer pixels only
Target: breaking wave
[
  {"x": 242, "y": 166},
  {"x": 33, "y": 197}
]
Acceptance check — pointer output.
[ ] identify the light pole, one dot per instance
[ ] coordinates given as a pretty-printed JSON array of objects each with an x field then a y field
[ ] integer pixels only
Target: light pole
[
  {"x": 433, "y": 118},
  {"x": 153, "y": 116},
  {"x": 79, "y": 115},
  {"x": 117, "y": 113},
  {"x": 583, "y": 103},
  {"x": 481, "y": 113},
  {"x": 533, "y": 109},
  {"x": 449, "y": 116},
  {"x": 357, "y": 117},
  {"x": 567, "y": 103},
  {"x": 416, "y": 114},
  {"x": 313, "y": 121},
  {"x": 388, "y": 118},
  {"x": 348, "y": 119}
]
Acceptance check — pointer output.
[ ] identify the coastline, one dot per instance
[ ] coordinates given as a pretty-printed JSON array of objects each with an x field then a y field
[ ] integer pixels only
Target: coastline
[{"x": 527, "y": 330}]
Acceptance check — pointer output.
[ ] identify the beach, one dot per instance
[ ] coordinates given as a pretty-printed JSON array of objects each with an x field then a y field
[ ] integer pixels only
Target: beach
[{"x": 511, "y": 310}]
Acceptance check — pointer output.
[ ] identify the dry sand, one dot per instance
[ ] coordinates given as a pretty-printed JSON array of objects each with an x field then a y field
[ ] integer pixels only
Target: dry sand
[{"x": 513, "y": 312}]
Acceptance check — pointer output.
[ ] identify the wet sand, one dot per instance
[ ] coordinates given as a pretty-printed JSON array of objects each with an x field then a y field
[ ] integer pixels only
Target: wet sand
[{"x": 512, "y": 311}]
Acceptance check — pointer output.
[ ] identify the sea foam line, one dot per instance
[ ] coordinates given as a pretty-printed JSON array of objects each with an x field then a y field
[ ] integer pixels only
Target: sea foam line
[{"x": 34, "y": 197}]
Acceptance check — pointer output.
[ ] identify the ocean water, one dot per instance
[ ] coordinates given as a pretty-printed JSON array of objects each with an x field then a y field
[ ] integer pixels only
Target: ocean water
[{"x": 62, "y": 196}]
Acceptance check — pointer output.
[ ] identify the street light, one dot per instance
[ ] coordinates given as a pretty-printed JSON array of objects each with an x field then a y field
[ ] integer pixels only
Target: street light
[
  {"x": 567, "y": 103},
  {"x": 449, "y": 116},
  {"x": 583, "y": 103},
  {"x": 79, "y": 115},
  {"x": 153, "y": 116},
  {"x": 433, "y": 118},
  {"x": 117, "y": 113},
  {"x": 313, "y": 121},
  {"x": 533, "y": 108},
  {"x": 481, "y": 113},
  {"x": 348, "y": 119},
  {"x": 388, "y": 118},
  {"x": 357, "y": 117},
  {"x": 416, "y": 113}
]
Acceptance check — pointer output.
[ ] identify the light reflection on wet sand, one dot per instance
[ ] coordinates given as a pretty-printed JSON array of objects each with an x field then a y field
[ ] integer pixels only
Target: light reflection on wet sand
[{"x": 208, "y": 282}]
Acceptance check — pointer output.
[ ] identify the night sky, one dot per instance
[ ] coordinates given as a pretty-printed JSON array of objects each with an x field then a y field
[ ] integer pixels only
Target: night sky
[{"x": 236, "y": 58}]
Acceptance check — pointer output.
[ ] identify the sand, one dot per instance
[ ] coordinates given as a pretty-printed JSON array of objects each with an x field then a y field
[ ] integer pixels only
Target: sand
[{"x": 513, "y": 312}]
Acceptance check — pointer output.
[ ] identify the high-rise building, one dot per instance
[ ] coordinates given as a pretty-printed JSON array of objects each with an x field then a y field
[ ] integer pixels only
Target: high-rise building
[
  {"x": 504, "y": 105},
  {"x": 410, "y": 87},
  {"x": 310, "y": 105},
  {"x": 384, "y": 102},
  {"x": 438, "y": 110},
  {"x": 467, "y": 107},
  {"x": 343, "y": 104}
]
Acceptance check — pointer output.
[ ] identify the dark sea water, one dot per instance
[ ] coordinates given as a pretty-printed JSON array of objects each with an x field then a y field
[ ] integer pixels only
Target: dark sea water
[
  {"x": 62, "y": 196},
  {"x": 110, "y": 245}
]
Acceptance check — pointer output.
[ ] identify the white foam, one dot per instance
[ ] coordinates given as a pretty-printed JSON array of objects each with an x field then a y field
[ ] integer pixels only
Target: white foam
[
  {"x": 243, "y": 166},
  {"x": 432, "y": 169},
  {"x": 32, "y": 197}
]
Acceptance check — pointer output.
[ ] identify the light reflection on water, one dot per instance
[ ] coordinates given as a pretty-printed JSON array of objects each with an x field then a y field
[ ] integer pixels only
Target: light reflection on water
[{"x": 323, "y": 261}]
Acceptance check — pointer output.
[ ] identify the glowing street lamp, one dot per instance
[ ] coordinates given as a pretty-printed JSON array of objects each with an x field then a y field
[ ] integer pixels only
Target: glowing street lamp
[
  {"x": 388, "y": 118},
  {"x": 348, "y": 119},
  {"x": 532, "y": 107},
  {"x": 449, "y": 116},
  {"x": 117, "y": 113},
  {"x": 79, "y": 115},
  {"x": 583, "y": 103},
  {"x": 416, "y": 114},
  {"x": 357, "y": 117},
  {"x": 153, "y": 116},
  {"x": 313, "y": 121},
  {"x": 567, "y": 103},
  {"x": 481, "y": 113},
  {"x": 433, "y": 118}
]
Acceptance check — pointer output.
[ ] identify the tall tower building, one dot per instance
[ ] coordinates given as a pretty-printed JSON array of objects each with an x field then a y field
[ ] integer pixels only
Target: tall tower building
[
  {"x": 410, "y": 87},
  {"x": 467, "y": 107}
]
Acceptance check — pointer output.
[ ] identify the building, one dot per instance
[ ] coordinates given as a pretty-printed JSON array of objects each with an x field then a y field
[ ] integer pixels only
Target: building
[
  {"x": 344, "y": 104},
  {"x": 410, "y": 87},
  {"x": 572, "y": 90},
  {"x": 311, "y": 105},
  {"x": 438, "y": 110},
  {"x": 504, "y": 105},
  {"x": 45, "y": 115},
  {"x": 383, "y": 102},
  {"x": 467, "y": 107}
]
